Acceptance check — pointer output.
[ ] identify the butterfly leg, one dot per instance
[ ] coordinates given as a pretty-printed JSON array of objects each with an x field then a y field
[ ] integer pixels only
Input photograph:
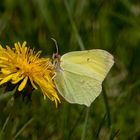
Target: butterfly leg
[{"x": 54, "y": 75}]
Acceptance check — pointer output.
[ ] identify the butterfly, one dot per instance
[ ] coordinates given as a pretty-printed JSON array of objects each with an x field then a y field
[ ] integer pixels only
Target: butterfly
[{"x": 79, "y": 74}]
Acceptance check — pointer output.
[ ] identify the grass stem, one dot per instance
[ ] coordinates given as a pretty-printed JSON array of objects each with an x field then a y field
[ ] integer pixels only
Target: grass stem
[{"x": 85, "y": 124}]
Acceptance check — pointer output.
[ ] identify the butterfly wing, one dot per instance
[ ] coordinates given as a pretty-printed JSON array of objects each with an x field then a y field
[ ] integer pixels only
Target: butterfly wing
[
  {"x": 95, "y": 61},
  {"x": 77, "y": 88},
  {"x": 81, "y": 74}
]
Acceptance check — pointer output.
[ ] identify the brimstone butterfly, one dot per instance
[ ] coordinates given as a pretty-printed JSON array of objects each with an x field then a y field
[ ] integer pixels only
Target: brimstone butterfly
[{"x": 79, "y": 74}]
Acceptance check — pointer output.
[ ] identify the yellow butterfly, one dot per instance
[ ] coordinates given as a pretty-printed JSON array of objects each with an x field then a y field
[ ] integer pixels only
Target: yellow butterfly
[{"x": 79, "y": 74}]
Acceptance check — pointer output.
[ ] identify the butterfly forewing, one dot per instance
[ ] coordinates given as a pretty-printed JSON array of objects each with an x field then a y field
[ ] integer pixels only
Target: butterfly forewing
[
  {"x": 97, "y": 61},
  {"x": 77, "y": 88}
]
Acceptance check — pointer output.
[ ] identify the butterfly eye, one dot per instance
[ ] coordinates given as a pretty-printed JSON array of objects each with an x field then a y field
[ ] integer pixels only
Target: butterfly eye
[{"x": 56, "y": 56}]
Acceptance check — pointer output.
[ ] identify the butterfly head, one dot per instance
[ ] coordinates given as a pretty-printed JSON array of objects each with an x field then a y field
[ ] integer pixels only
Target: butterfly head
[
  {"x": 56, "y": 61},
  {"x": 56, "y": 57}
]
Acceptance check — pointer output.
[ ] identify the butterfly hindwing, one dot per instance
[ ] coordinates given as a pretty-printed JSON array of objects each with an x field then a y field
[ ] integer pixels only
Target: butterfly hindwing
[{"x": 77, "y": 88}]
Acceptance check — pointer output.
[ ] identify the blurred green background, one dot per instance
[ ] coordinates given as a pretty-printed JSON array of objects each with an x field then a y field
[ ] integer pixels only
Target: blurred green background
[{"x": 76, "y": 24}]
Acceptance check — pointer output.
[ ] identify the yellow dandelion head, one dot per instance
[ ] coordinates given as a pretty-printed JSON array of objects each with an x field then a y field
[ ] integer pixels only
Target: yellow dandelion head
[{"x": 20, "y": 65}]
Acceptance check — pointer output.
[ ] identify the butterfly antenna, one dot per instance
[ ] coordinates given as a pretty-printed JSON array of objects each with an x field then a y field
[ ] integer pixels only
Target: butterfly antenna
[{"x": 56, "y": 45}]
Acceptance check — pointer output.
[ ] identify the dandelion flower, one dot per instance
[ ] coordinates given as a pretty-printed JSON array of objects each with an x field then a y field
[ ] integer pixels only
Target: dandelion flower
[{"x": 21, "y": 64}]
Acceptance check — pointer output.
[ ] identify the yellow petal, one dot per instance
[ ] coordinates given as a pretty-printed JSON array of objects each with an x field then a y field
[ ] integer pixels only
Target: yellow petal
[
  {"x": 5, "y": 71},
  {"x": 17, "y": 48},
  {"x": 23, "y": 83},
  {"x": 16, "y": 76},
  {"x": 2, "y": 65},
  {"x": 31, "y": 80},
  {"x": 3, "y": 58},
  {"x": 6, "y": 79},
  {"x": 19, "y": 44},
  {"x": 17, "y": 80},
  {"x": 24, "y": 44},
  {"x": 1, "y": 48}
]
